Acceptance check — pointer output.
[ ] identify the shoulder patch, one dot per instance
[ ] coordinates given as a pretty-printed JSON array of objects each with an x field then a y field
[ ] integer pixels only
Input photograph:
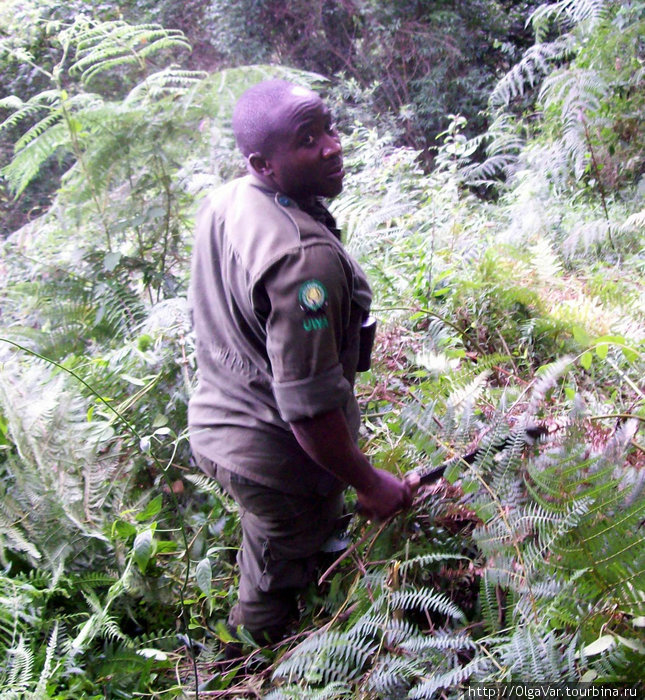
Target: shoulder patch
[{"x": 312, "y": 296}]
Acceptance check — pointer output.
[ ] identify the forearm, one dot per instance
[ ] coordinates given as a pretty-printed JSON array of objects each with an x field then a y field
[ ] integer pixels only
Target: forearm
[{"x": 326, "y": 439}]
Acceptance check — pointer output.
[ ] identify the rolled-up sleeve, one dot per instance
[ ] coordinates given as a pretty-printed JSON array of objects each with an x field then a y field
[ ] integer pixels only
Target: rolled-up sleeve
[{"x": 308, "y": 292}]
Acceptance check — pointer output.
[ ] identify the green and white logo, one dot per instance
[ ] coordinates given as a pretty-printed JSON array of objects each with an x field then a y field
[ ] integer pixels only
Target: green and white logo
[{"x": 312, "y": 296}]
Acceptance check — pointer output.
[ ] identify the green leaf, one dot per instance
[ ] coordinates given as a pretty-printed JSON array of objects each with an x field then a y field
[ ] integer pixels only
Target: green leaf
[
  {"x": 470, "y": 485},
  {"x": 123, "y": 530},
  {"x": 143, "y": 548},
  {"x": 589, "y": 676},
  {"x": 603, "y": 343},
  {"x": 156, "y": 654},
  {"x": 204, "y": 576},
  {"x": 585, "y": 360},
  {"x": 580, "y": 336},
  {"x": 159, "y": 421},
  {"x": 634, "y": 644},
  {"x": 133, "y": 380},
  {"x": 617, "y": 339},
  {"x": 601, "y": 644},
  {"x": 75, "y": 125},
  {"x": 111, "y": 260},
  {"x": 452, "y": 473},
  {"x": 153, "y": 507},
  {"x": 223, "y": 633},
  {"x": 144, "y": 342},
  {"x": 155, "y": 212},
  {"x": 166, "y": 546},
  {"x": 630, "y": 354}
]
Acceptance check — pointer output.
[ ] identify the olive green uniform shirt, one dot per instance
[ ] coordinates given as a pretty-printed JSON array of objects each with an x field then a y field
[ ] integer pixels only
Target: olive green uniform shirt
[{"x": 277, "y": 305}]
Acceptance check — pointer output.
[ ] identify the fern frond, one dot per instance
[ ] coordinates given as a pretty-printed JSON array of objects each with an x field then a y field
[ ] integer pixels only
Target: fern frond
[
  {"x": 37, "y": 129},
  {"x": 169, "y": 81},
  {"x": 330, "y": 692},
  {"x": 94, "y": 579},
  {"x": 45, "y": 100},
  {"x": 110, "y": 630},
  {"x": 204, "y": 483},
  {"x": 392, "y": 675},
  {"x": 424, "y": 559},
  {"x": 20, "y": 661},
  {"x": 425, "y": 599},
  {"x": 551, "y": 530},
  {"x": 545, "y": 261},
  {"x": 532, "y": 655},
  {"x": 576, "y": 93},
  {"x": 100, "y": 623},
  {"x": 397, "y": 630},
  {"x": 326, "y": 658},
  {"x": 28, "y": 162},
  {"x": 48, "y": 668},
  {"x": 484, "y": 173},
  {"x": 547, "y": 376},
  {"x": 107, "y": 45},
  {"x": 369, "y": 222},
  {"x": 12, "y": 514},
  {"x": 450, "y": 679},
  {"x": 533, "y": 65},
  {"x": 635, "y": 222},
  {"x": 442, "y": 641},
  {"x": 59, "y": 478},
  {"x": 504, "y": 145},
  {"x": 585, "y": 235},
  {"x": 469, "y": 393},
  {"x": 491, "y": 607},
  {"x": 576, "y": 11},
  {"x": 119, "y": 311},
  {"x": 618, "y": 664}
]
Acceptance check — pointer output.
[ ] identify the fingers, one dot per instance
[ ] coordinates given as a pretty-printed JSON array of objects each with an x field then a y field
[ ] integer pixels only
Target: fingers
[
  {"x": 413, "y": 480},
  {"x": 388, "y": 497}
]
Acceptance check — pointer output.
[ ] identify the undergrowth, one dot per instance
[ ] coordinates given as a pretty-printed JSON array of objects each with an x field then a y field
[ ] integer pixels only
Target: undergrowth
[{"x": 510, "y": 297}]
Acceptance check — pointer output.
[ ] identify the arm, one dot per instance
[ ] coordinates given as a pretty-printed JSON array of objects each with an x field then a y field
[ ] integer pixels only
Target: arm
[
  {"x": 308, "y": 380},
  {"x": 326, "y": 439}
]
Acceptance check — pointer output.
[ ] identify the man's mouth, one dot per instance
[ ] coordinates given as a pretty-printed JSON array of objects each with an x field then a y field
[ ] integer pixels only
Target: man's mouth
[{"x": 336, "y": 170}]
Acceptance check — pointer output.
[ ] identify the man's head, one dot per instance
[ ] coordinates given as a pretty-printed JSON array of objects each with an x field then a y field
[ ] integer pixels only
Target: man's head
[{"x": 290, "y": 142}]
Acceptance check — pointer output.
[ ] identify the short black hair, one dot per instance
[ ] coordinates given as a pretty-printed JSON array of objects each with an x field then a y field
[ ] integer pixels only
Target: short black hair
[{"x": 252, "y": 123}]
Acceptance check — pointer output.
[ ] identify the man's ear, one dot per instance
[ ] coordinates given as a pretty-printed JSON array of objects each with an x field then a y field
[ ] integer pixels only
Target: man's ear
[{"x": 259, "y": 164}]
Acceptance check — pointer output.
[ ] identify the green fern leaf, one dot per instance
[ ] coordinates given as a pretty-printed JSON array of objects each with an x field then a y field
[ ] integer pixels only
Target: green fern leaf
[
  {"x": 449, "y": 679},
  {"x": 425, "y": 600}
]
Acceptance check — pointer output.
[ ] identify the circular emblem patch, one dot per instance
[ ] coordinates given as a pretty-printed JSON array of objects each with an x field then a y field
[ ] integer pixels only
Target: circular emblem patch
[{"x": 312, "y": 296}]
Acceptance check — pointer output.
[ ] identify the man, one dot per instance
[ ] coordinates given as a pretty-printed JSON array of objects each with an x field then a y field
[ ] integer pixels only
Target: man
[{"x": 277, "y": 308}]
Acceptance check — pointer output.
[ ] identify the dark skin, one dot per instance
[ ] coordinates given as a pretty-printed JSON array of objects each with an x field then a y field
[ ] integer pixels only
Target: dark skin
[
  {"x": 303, "y": 155},
  {"x": 326, "y": 439},
  {"x": 303, "y": 159}
]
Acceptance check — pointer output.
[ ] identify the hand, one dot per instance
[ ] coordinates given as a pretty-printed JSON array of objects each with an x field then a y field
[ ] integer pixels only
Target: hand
[{"x": 385, "y": 496}]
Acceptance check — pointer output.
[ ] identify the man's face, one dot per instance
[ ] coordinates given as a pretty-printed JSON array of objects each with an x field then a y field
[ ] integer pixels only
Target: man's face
[{"x": 306, "y": 158}]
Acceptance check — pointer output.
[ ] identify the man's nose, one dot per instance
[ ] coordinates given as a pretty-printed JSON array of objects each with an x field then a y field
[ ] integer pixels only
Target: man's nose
[{"x": 331, "y": 146}]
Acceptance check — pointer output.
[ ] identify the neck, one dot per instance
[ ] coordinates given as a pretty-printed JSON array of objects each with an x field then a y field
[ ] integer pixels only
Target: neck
[{"x": 303, "y": 202}]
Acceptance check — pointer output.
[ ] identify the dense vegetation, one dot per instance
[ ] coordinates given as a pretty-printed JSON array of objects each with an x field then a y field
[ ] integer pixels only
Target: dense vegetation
[{"x": 506, "y": 253}]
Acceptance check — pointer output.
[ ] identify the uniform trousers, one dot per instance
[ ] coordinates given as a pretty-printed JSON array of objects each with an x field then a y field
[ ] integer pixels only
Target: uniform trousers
[{"x": 282, "y": 537}]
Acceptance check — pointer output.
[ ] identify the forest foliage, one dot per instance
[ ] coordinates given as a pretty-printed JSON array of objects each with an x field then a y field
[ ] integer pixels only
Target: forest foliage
[{"x": 494, "y": 196}]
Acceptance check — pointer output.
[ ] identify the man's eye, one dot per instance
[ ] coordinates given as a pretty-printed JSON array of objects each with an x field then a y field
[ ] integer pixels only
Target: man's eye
[{"x": 308, "y": 140}]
